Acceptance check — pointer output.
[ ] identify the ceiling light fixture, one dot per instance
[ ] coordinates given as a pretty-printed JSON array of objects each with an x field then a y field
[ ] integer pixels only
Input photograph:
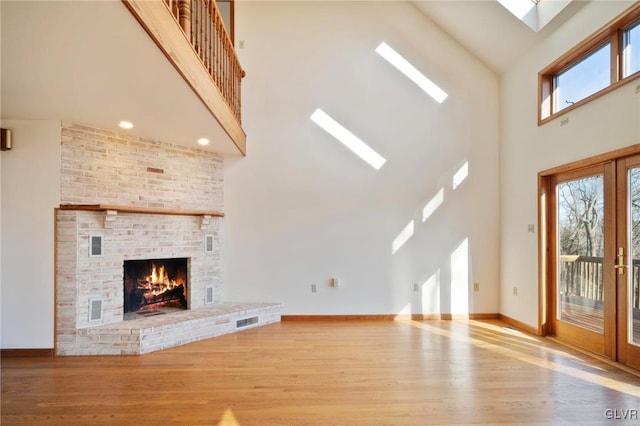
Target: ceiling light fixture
[
  {"x": 203, "y": 141},
  {"x": 126, "y": 124}
]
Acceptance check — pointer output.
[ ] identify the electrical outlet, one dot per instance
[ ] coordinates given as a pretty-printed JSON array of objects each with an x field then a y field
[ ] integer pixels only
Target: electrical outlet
[
  {"x": 335, "y": 282},
  {"x": 476, "y": 286},
  {"x": 564, "y": 121},
  {"x": 515, "y": 290},
  {"x": 416, "y": 287},
  {"x": 531, "y": 228},
  {"x": 241, "y": 44},
  {"x": 314, "y": 288}
]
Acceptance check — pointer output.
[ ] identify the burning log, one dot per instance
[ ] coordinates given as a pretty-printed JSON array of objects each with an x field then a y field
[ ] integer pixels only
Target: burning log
[{"x": 176, "y": 293}]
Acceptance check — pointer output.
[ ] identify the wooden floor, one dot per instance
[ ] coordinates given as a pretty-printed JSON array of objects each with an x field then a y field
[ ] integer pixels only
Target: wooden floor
[{"x": 328, "y": 373}]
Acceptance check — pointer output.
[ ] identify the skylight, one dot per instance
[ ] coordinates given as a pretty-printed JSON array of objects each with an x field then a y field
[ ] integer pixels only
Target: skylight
[{"x": 534, "y": 13}]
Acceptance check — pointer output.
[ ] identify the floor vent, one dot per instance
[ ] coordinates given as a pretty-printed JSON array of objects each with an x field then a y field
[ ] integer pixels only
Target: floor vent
[{"x": 246, "y": 322}]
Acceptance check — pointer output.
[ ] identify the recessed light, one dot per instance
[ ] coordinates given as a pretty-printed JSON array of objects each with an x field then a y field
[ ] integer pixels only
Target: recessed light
[
  {"x": 126, "y": 124},
  {"x": 203, "y": 141}
]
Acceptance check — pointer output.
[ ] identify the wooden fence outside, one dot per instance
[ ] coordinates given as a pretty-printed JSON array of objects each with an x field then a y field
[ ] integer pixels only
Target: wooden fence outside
[{"x": 583, "y": 276}]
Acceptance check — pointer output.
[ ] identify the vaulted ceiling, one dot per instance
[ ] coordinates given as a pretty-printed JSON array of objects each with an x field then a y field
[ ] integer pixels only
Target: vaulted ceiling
[
  {"x": 490, "y": 31},
  {"x": 58, "y": 64}
]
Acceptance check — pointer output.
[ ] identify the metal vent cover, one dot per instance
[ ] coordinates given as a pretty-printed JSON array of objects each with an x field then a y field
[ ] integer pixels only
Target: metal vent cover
[
  {"x": 208, "y": 295},
  {"x": 245, "y": 322},
  {"x": 95, "y": 310},
  {"x": 209, "y": 244},
  {"x": 95, "y": 245}
]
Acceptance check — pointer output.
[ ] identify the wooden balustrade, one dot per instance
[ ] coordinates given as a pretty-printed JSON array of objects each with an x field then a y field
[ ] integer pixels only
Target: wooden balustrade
[
  {"x": 582, "y": 276},
  {"x": 202, "y": 22}
]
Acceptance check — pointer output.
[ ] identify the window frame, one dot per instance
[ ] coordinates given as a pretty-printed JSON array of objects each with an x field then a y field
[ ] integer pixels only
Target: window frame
[{"x": 612, "y": 32}]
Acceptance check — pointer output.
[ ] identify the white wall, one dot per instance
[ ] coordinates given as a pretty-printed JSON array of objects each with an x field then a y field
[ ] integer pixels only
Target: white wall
[
  {"x": 610, "y": 122},
  {"x": 30, "y": 190},
  {"x": 301, "y": 208}
]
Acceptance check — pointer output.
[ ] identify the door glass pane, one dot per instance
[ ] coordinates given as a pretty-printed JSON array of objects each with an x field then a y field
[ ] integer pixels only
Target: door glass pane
[
  {"x": 580, "y": 247},
  {"x": 634, "y": 277}
]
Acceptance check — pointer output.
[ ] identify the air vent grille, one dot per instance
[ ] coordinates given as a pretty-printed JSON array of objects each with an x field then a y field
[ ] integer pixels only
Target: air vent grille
[
  {"x": 245, "y": 322},
  {"x": 209, "y": 244},
  {"x": 208, "y": 295},
  {"x": 95, "y": 310},
  {"x": 95, "y": 245}
]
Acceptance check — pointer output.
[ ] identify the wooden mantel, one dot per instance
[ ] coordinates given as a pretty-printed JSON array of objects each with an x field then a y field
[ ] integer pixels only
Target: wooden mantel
[{"x": 143, "y": 210}]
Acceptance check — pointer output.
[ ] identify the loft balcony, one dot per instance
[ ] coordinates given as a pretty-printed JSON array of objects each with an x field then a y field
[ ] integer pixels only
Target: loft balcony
[{"x": 168, "y": 66}]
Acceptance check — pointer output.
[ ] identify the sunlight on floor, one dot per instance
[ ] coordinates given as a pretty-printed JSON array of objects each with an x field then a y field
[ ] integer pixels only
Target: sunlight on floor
[
  {"x": 538, "y": 361},
  {"x": 228, "y": 419}
]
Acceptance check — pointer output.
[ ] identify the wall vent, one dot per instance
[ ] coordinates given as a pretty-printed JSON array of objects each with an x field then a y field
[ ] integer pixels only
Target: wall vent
[
  {"x": 95, "y": 310},
  {"x": 245, "y": 322},
  {"x": 95, "y": 245},
  {"x": 208, "y": 295},
  {"x": 208, "y": 244}
]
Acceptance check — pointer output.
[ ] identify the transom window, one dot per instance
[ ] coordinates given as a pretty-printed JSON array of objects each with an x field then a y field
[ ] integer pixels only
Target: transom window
[
  {"x": 631, "y": 50},
  {"x": 606, "y": 60},
  {"x": 582, "y": 79}
]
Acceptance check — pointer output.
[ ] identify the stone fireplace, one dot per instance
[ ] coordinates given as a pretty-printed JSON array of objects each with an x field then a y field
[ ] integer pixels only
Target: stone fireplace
[{"x": 138, "y": 247}]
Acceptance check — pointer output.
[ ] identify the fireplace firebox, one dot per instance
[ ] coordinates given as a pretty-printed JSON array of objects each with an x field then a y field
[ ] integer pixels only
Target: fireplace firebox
[{"x": 154, "y": 286}]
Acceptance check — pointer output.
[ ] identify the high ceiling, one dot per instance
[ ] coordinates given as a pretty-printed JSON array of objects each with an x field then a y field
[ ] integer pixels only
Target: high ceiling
[
  {"x": 489, "y": 30},
  {"x": 57, "y": 64}
]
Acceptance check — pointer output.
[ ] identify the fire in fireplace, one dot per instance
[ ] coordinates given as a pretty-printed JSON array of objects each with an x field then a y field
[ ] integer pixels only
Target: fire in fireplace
[{"x": 154, "y": 286}]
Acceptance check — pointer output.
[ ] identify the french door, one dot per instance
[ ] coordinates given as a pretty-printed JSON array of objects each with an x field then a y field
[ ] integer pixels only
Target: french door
[{"x": 591, "y": 256}]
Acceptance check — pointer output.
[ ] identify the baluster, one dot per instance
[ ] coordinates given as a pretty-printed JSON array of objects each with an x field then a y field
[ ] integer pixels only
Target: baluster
[
  {"x": 210, "y": 15},
  {"x": 204, "y": 17},
  {"x": 184, "y": 17}
]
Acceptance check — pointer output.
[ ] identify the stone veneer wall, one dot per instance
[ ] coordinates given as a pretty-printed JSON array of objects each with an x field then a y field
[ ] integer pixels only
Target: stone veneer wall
[{"x": 101, "y": 167}]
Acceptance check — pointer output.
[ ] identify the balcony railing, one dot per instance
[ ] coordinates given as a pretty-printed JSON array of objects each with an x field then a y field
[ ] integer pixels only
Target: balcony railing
[
  {"x": 582, "y": 276},
  {"x": 202, "y": 23}
]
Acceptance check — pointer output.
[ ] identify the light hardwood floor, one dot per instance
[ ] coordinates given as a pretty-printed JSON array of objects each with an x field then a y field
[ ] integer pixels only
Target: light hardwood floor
[{"x": 328, "y": 373}]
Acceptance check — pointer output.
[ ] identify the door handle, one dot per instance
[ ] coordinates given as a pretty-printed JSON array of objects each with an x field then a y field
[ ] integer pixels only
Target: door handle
[{"x": 620, "y": 265}]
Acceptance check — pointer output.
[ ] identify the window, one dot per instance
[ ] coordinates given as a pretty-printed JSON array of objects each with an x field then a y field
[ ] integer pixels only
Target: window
[
  {"x": 604, "y": 61},
  {"x": 631, "y": 50},
  {"x": 582, "y": 79}
]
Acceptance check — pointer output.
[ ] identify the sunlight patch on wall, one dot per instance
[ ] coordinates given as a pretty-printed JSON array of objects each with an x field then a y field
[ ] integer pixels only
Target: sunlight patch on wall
[
  {"x": 431, "y": 294},
  {"x": 460, "y": 279},
  {"x": 404, "y": 66},
  {"x": 461, "y": 175},
  {"x": 348, "y": 139},
  {"x": 402, "y": 237},
  {"x": 433, "y": 205}
]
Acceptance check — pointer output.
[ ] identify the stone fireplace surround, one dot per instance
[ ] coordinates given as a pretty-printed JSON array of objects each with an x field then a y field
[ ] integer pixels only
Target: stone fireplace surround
[{"x": 125, "y": 190}]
